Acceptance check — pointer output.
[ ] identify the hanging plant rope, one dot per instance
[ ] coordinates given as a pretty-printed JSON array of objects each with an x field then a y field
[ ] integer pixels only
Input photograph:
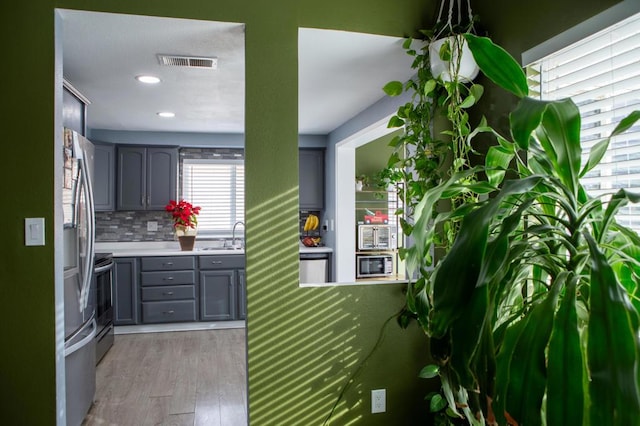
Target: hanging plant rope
[{"x": 449, "y": 26}]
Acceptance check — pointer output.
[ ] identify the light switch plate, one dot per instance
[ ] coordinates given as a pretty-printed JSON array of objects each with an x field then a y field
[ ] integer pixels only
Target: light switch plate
[
  {"x": 34, "y": 231},
  {"x": 152, "y": 226}
]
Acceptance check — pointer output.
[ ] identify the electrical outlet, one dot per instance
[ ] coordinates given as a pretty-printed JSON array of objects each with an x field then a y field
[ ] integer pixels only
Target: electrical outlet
[
  {"x": 152, "y": 226},
  {"x": 378, "y": 401}
]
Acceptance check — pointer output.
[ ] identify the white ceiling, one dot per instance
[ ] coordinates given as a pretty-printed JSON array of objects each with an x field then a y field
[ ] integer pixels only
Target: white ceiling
[{"x": 341, "y": 73}]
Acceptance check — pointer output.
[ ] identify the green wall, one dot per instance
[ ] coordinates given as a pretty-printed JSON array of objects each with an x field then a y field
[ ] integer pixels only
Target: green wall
[
  {"x": 302, "y": 343},
  {"x": 373, "y": 157}
]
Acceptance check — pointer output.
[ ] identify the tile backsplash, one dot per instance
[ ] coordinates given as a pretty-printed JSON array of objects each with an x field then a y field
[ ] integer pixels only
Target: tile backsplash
[{"x": 132, "y": 226}]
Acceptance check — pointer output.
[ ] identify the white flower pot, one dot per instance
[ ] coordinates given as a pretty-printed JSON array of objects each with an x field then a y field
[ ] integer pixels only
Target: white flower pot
[{"x": 439, "y": 68}]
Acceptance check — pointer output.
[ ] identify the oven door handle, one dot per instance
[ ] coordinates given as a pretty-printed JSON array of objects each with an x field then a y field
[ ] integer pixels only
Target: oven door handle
[{"x": 104, "y": 268}]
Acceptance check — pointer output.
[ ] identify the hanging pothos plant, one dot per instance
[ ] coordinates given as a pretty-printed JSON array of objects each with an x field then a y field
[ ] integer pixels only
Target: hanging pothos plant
[{"x": 442, "y": 91}]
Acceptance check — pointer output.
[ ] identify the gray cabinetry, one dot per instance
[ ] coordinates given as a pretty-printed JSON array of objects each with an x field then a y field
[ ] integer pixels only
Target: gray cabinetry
[
  {"x": 74, "y": 111},
  {"x": 147, "y": 177},
  {"x": 311, "y": 179},
  {"x": 242, "y": 295},
  {"x": 222, "y": 287},
  {"x": 161, "y": 289},
  {"x": 168, "y": 289},
  {"x": 217, "y": 295},
  {"x": 125, "y": 291},
  {"x": 104, "y": 169}
]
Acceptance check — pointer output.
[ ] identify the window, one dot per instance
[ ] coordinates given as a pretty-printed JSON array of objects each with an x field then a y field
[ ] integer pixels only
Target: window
[
  {"x": 218, "y": 187},
  {"x": 602, "y": 75}
]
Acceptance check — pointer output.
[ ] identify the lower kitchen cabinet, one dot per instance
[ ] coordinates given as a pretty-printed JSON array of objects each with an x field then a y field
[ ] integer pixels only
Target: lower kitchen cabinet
[
  {"x": 168, "y": 289},
  {"x": 242, "y": 295},
  {"x": 162, "y": 289},
  {"x": 125, "y": 291},
  {"x": 217, "y": 295}
]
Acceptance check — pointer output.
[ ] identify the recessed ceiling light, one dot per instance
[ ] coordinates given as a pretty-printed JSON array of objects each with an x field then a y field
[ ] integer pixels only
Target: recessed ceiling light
[
  {"x": 148, "y": 79},
  {"x": 166, "y": 114}
]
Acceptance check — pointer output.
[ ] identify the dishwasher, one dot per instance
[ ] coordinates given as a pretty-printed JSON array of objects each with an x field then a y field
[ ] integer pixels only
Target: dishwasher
[{"x": 314, "y": 267}]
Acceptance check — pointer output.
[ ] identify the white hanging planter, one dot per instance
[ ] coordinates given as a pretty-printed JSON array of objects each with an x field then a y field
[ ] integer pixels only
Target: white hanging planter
[{"x": 439, "y": 68}]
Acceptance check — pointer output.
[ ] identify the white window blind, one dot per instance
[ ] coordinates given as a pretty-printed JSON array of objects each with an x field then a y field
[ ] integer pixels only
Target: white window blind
[
  {"x": 218, "y": 187},
  {"x": 602, "y": 75}
]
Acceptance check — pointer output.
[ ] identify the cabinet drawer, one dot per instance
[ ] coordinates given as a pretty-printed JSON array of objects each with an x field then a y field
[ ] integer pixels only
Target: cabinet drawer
[
  {"x": 167, "y": 263},
  {"x": 222, "y": 262},
  {"x": 167, "y": 278},
  {"x": 150, "y": 294},
  {"x": 180, "y": 310}
]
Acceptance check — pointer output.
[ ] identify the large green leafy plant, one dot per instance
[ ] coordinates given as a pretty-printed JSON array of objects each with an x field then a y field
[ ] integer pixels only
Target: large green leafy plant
[{"x": 532, "y": 313}]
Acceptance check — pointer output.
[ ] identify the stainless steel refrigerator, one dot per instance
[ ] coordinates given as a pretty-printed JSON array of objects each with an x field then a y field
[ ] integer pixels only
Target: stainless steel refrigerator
[{"x": 79, "y": 293}]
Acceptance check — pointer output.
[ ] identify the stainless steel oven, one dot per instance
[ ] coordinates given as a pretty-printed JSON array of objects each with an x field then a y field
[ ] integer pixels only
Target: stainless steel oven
[
  {"x": 376, "y": 237},
  {"x": 103, "y": 276}
]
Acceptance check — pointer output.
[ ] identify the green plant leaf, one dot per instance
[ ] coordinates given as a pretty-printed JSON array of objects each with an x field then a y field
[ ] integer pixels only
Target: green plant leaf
[
  {"x": 465, "y": 336},
  {"x": 393, "y": 88},
  {"x": 565, "y": 391},
  {"x": 523, "y": 357},
  {"x": 468, "y": 102},
  {"x": 618, "y": 200},
  {"x": 429, "y": 86},
  {"x": 498, "y": 65},
  {"x": 395, "y": 121},
  {"x": 599, "y": 149},
  {"x": 525, "y": 118},
  {"x": 437, "y": 403},
  {"x": 612, "y": 347},
  {"x": 445, "y": 51},
  {"x": 561, "y": 126},
  {"x": 429, "y": 372},
  {"x": 626, "y": 123},
  {"x": 477, "y": 91},
  {"x": 595, "y": 155},
  {"x": 497, "y": 162}
]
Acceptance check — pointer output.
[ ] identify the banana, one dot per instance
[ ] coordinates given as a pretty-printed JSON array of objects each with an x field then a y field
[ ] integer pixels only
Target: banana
[{"x": 311, "y": 223}]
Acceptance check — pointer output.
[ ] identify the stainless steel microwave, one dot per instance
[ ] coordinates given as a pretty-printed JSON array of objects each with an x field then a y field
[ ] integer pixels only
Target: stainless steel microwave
[
  {"x": 374, "y": 265},
  {"x": 376, "y": 237}
]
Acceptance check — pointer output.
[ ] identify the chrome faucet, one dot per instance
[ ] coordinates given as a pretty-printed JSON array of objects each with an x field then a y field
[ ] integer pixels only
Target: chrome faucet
[{"x": 233, "y": 233}]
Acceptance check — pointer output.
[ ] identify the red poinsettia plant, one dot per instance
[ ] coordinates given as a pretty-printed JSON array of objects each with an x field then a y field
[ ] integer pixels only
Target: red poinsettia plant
[{"x": 183, "y": 214}]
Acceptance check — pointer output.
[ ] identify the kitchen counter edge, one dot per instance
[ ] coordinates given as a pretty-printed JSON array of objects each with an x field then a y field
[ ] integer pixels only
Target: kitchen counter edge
[{"x": 120, "y": 250}]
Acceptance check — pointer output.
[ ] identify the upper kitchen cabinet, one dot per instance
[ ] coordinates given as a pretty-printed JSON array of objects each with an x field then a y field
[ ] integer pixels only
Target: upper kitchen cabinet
[
  {"x": 311, "y": 179},
  {"x": 147, "y": 177},
  {"x": 74, "y": 107},
  {"x": 104, "y": 191}
]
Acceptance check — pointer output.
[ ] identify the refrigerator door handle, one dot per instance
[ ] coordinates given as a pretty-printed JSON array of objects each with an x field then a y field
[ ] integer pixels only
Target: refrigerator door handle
[
  {"x": 85, "y": 340},
  {"x": 86, "y": 181}
]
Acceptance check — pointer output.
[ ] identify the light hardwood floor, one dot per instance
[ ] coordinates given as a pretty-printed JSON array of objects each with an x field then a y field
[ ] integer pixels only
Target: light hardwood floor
[{"x": 173, "y": 378}]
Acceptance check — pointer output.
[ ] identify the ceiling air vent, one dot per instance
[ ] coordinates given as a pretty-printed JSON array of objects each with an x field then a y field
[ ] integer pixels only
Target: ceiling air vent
[{"x": 188, "y": 61}]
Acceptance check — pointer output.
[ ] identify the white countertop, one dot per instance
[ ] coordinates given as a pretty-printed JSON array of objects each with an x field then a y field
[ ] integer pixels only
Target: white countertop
[{"x": 172, "y": 248}]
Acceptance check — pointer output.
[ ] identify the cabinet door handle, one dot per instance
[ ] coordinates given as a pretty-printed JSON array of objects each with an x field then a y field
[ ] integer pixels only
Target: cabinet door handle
[
  {"x": 168, "y": 278},
  {"x": 216, "y": 262},
  {"x": 168, "y": 264},
  {"x": 168, "y": 293},
  {"x": 168, "y": 312},
  {"x": 142, "y": 200}
]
